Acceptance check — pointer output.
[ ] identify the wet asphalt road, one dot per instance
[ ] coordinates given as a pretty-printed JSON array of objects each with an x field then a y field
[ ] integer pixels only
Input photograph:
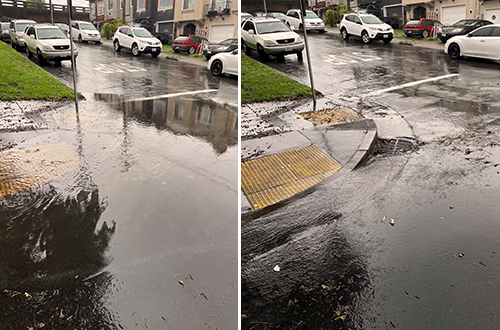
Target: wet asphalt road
[
  {"x": 143, "y": 234},
  {"x": 342, "y": 266}
]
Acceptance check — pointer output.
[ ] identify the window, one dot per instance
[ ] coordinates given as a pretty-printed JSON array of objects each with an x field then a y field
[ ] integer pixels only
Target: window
[
  {"x": 165, "y": 3},
  {"x": 179, "y": 111},
  {"x": 188, "y": 4},
  {"x": 110, "y": 4},
  {"x": 141, "y": 4},
  {"x": 484, "y": 32},
  {"x": 496, "y": 32},
  {"x": 248, "y": 26},
  {"x": 357, "y": 19},
  {"x": 204, "y": 115}
]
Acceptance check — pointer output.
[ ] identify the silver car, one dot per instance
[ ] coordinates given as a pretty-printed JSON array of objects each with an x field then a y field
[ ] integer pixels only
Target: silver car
[{"x": 16, "y": 31}]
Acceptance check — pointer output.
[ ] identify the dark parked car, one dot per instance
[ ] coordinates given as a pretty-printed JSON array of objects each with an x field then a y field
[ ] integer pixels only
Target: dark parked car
[
  {"x": 189, "y": 43},
  {"x": 422, "y": 27},
  {"x": 461, "y": 27},
  {"x": 278, "y": 15},
  {"x": 4, "y": 28},
  {"x": 225, "y": 46}
]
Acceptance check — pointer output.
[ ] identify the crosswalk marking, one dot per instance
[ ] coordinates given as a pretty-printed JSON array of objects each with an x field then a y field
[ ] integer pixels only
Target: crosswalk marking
[
  {"x": 117, "y": 68},
  {"x": 350, "y": 58}
]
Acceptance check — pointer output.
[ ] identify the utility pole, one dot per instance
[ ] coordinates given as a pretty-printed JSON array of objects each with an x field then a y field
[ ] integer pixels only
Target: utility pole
[
  {"x": 303, "y": 14},
  {"x": 123, "y": 11},
  {"x": 73, "y": 63},
  {"x": 51, "y": 12}
]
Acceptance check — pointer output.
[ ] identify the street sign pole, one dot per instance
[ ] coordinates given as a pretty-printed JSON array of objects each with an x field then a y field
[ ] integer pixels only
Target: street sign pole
[
  {"x": 73, "y": 64},
  {"x": 303, "y": 13}
]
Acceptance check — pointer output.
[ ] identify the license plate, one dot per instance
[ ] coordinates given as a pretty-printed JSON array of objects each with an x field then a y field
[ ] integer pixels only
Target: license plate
[
  {"x": 444, "y": 34},
  {"x": 386, "y": 36},
  {"x": 288, "y": 49}
]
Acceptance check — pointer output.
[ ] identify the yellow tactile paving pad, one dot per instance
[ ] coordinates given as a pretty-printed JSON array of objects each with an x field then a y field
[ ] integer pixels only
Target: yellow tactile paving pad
[
  {"x": 24, "y": 168},
  {"x": 268, "y": 180}
]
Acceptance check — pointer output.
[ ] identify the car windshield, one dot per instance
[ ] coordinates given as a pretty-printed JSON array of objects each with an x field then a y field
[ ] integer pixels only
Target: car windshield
[
  {"x": 5, "y": 26},
  {"x": 370, "y": 20},
  {"x": 310, "y": 14},
  {"x": 271, "y": 27},
  {"x": 142, "y": 33},
  {"x": 230, "y": 42},
  {"x": 51, "y": 33},
  {"x": 87, "y": 26},
  {"x": 21, "y": 26},
  {"x": 413, "y": 22},
  {"x": 464, "y": 23}
]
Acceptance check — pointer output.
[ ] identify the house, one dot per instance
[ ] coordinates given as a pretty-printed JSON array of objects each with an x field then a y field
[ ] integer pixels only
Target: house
[
  {"x": 215, "y": 20},
  {"x": 104, "y": 11}
]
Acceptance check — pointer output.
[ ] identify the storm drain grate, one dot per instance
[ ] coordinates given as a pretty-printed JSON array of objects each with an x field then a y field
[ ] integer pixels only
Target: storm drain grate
[
  {"x": 395, "y": 146},
  {"x": 21, "y": 169},
  {"x": 268, "y": 180}
]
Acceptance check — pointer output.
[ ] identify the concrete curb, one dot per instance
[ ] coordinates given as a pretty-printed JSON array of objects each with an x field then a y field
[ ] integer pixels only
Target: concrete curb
[{"x": 364, "y": 150}]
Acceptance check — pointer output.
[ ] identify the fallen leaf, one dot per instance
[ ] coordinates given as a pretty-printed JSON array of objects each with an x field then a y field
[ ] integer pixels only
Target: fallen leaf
[
  {"x": 181, "y": 283},
  {"x": 27, "y": 295},
  {"x": 451, "y": 206},
  {"x": 460, "y": 255},
  {"x": 277, "y": 268},
  {"x": 340, "y": 317},
  {"x": 383, "y": 218}
]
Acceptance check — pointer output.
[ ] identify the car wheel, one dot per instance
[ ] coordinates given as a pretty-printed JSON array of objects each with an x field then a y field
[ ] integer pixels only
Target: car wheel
[
  {"x": 14, "y": 45},
  {"x": 80, "y": 40},
  {"x": 299, "y": 56},
  {"x": 247, "y": 50},
  {"x": 30, "y": 54},
  {"x": 454, "y": 51},
  {"x": 281, "y": 58},
  {"x": 155, "y": 54},
  {"x": 262, "y": 53},
  {"x": 191, "y": 50},
  {"x": 116, "y": 46},
  {"x": 386, "y": 41},
  {"x": 344, "y": 33},
  {"x": 365, "y": 37},
  {"x": 443, "y": 40},
  {"x": 301, "y": 28},
  {"x": 135, "y": 50},
  {"x": 208, "y": 57},
  {"x": 41, "y": 60},
  {"x": 216, "y": 67},
  {"x": 97, "y": 42},
  {"x": 425, "y": 34}
]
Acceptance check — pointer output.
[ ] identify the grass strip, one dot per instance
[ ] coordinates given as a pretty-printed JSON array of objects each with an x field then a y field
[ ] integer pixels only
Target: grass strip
[
  {"x": 261, "y": 83},
  {"x": 21, "y": 79}
]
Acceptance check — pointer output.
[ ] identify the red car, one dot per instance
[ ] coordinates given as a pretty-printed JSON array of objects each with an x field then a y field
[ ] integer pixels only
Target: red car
[
  {"x": 423, "y": 27},
  {"x": 189, "y": 43}
]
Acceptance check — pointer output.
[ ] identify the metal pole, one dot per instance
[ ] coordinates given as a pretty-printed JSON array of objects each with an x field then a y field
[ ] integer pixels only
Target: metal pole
[
  {"x": 73, "y": 63},
  {"x": 51, "y": 12},
  {"x": 265, "y": 7},
  {"x": 123, "y": 11},
  {"x": 303, "y": 13}
]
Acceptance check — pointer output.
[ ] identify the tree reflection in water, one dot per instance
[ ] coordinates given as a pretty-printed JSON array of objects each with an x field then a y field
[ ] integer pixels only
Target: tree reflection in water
[{"x": 52, "y": 258}]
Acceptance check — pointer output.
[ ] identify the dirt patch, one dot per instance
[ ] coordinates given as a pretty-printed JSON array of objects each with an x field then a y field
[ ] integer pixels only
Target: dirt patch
[{"x": 332, "y": 116}]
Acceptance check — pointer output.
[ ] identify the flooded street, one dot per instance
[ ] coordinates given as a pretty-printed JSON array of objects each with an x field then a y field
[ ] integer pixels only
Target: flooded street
[
  {"x": 410, "y": 239},
  {"x": 123, "y": 215}
]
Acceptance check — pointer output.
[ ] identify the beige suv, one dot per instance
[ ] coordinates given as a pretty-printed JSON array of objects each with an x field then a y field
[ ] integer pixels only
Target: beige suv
[
  {"x": 270, "y": 36},
  {"x": 16, "y": 31}
]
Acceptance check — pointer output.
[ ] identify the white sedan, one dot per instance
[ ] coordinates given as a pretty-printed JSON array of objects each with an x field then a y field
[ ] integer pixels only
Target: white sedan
[
  {"x": 483, "y": 43},
  {"x": 224, "y": 63}
]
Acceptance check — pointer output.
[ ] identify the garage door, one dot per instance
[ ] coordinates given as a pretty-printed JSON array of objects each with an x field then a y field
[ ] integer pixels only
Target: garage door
[
  {"x": 492, "y": 15},
  {"x": 452, "y": 14},
  {"x": 221, "y": 32}
]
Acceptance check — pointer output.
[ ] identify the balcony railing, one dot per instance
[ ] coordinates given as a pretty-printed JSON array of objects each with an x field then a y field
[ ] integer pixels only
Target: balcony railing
[{"x": 217, "y": 8}]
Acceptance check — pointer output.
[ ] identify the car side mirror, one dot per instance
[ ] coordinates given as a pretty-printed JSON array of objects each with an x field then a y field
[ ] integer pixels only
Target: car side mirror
[
  {"x": 251, "y": 31},
  {"x": 32, "y": 36}
]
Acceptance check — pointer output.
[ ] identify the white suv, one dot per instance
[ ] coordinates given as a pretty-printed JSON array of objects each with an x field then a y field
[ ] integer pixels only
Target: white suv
[
  {"x": 368, "y": 27},
  {"x": 48, "y": 43},
  {"x": 312, "y": 21},
  {"x": 138, "y": 40},
  {"x": 270, "y": 36}
]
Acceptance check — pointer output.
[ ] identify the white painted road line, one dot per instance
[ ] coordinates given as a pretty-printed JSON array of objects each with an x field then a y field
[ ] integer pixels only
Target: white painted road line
[
  {"x": 171, "y": 95},
  {"x": 409, "y": 85}
]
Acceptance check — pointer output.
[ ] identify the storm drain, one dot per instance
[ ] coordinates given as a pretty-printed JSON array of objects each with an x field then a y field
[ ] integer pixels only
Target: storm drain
[
  {"x": 268, "y": 180},
  {"x": 21, "y": 169},
  {"x": 395, "y": 146}
]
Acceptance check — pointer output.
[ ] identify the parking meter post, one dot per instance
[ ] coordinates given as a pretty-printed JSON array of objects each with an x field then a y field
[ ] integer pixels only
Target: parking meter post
[
  {"x": 303, "y": 13},
  {"x": 73, "y": 64}
]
